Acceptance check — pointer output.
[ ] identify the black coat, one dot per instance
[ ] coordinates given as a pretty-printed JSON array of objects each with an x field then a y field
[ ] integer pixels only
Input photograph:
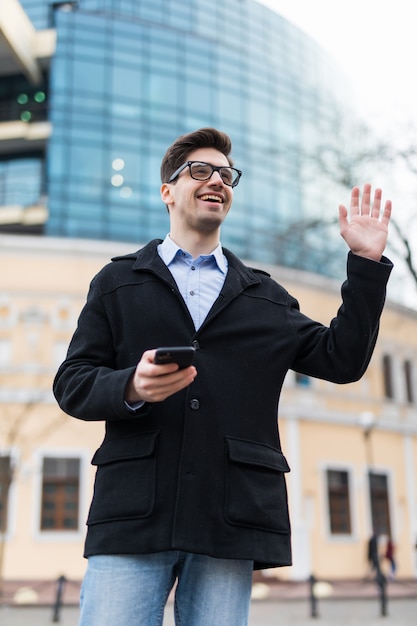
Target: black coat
[{"x": 203, "y": 471}]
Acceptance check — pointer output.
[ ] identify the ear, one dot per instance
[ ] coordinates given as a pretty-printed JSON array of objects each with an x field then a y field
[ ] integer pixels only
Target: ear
[{"x": 166, "y": 194}]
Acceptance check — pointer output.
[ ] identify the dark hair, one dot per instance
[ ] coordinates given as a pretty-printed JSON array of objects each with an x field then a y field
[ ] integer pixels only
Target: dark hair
[{"x": 178, "y": 152}]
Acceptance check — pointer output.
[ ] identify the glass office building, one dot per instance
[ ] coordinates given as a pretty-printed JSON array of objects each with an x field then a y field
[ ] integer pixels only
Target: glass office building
[{"x": 129, "y": 76}]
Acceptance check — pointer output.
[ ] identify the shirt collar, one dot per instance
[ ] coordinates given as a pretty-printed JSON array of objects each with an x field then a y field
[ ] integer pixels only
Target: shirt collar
[{"x": 168, "y": 250}]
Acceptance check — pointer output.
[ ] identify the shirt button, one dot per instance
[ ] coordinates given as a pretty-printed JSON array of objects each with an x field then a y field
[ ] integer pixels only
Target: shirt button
[
  {"x": 192, "y": 293},
  {"x": 195, "y": 404},
  {"x": 192, "y": 267}
]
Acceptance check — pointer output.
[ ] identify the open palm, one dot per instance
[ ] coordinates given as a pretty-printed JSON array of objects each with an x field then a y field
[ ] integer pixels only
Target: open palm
[{"x": 366, "y": 231}]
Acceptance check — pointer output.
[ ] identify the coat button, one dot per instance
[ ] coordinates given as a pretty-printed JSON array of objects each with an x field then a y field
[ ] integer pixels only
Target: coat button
[
  {"x": 195, "y": 404},
  {"x": 196, "y": 345}
]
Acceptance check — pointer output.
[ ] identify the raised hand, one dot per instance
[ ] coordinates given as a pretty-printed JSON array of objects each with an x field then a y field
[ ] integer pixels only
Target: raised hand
[{"x": 366, "y": 231}]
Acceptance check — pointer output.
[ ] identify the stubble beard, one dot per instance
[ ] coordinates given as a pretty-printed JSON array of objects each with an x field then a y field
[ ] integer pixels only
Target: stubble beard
[{"x": 206, "y": 224}]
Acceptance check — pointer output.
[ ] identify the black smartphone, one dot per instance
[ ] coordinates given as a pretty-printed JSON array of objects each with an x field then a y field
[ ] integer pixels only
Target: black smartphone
[{"x": 182, "y": 355}]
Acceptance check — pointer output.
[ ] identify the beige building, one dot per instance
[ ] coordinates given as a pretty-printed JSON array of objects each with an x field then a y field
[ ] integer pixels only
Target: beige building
[{"x": 352, "y": 449}]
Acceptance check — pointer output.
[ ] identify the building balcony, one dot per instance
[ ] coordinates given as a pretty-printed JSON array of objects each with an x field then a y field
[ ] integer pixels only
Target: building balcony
[{"x": 19, "y": 136}]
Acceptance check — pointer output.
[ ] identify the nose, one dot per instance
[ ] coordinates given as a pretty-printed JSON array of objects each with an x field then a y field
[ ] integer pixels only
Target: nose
[{"x": 216, "y": 178}]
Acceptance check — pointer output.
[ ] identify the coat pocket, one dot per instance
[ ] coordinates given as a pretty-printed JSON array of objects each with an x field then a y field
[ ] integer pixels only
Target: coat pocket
[
  {"x": 256, "y": 492},
  {"x": 124, "y": 486}
]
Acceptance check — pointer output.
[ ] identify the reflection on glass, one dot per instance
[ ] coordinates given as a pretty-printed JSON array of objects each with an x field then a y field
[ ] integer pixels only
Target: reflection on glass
[
  {"x": 125, "y": 192},
  {"x": 130, "y": 86},
  {"x": 117, "y": 180},
  {"x": 118, "y": 164}
]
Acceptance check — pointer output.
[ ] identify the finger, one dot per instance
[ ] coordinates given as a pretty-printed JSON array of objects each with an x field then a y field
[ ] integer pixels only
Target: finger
[
  {"x": 157, "y": 388},
  {"x": 148, "y": 356},
  {"x": 376, "y": 207},
  {"x": 343, "y": 212},
  {"x": 366, "y": 200},
  {"x": 386, "y": 216},
  {"x": 354, "y": 201},
  {"x": 166, "y": 377},
  {"x": 165, "y": 386}
]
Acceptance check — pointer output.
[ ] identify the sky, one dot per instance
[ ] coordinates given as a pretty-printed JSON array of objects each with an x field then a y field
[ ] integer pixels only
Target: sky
[{"x": 373, "y": 41}]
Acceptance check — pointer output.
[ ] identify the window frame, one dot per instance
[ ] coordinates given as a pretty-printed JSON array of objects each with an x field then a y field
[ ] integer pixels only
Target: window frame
[
  {"x": 12, "y": 499},
  {"x": 388, "y": 376},
  {"x": 5, "y": 502},
  {"x": 374, "y": 471},
  {"x": 59, "y": 497},
  {"x": 84, "y": 491},
  {"x": 331, "y": 495},
  {"x": 409, "y": 379},
  {"x": 325, "y": 505}
]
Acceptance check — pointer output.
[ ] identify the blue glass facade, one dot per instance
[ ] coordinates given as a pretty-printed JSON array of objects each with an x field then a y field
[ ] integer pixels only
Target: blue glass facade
[
  {"x": 129, "y": 76},
  {"x": 22, "y": 181}
]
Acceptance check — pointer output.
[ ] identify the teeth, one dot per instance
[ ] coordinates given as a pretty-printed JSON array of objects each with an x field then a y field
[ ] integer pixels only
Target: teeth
[{"x": 210, "y": 197}]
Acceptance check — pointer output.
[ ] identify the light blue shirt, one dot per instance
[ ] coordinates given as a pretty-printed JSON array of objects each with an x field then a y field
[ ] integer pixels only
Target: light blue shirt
[{"x": 199, "y": 280}]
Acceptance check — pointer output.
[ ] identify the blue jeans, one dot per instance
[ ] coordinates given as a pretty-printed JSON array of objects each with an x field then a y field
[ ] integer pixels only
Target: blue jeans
[{"x": 132, "y": 590}]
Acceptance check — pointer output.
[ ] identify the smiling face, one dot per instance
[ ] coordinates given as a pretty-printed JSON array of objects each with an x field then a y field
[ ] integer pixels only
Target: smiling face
[{"x": 196, "y": 205}]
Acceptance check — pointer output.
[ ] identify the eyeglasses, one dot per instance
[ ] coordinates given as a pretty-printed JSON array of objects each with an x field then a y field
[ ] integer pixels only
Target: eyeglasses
[{"x": 203, "y": 171}]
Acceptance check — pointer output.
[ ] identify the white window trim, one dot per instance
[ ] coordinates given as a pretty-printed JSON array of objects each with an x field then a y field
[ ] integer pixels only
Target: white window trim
[
  {"x": 353, "y": 488},
  {"x": 61, "y": 536},
  {"x": 13, "y": 493},
  {"x": 411, "y": 358},
  {"x": 388, "y": 472}
]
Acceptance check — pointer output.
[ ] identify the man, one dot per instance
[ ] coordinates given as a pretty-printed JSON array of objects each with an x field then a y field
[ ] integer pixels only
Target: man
[{"x": 190, "y": 483}]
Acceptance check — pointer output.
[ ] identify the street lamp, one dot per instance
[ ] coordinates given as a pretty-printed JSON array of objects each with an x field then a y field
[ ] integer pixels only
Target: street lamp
[{"x": 367, "y": 421}]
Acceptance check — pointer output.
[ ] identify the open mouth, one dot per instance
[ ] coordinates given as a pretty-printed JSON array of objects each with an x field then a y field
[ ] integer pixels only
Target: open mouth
[{"x": 210, "y": 197}]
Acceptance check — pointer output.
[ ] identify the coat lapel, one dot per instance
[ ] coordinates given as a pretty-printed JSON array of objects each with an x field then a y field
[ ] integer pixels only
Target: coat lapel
[{"x": 239, "y": 277}]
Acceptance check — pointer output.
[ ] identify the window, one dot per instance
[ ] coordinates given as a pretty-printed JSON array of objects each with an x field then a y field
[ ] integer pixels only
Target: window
[
  {"x": 339, "y": 502},
  {"x": 408, "y": 377},
  {"x": 21, "y": 181},
  {"x": 5, "y": 476},
  {"x": 378, "y": 493},
  {"x": 387, "y": 373},
  {"x": 22, "y": 101},
  {"x": 60, "y": 494}
]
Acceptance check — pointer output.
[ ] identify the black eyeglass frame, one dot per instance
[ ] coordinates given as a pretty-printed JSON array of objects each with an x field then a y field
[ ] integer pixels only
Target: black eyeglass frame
[{"x": 214, "y": 168}]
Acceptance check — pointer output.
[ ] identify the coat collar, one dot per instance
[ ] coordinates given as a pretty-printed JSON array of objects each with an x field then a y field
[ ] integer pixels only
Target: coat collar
[
  {"x": 148, "y": 259},
  {"x": 168, "y": 250},
  {"x": 239, "y": 277}
]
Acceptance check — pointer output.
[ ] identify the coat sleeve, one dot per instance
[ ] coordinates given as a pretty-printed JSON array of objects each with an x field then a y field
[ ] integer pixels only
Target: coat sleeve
[
  {"x": 341, "y": 352},
  {"x": 88, "y": 385}
]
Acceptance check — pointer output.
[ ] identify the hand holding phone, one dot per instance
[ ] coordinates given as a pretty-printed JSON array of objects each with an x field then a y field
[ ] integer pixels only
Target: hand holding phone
[{"x": 182, "y": 355}]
